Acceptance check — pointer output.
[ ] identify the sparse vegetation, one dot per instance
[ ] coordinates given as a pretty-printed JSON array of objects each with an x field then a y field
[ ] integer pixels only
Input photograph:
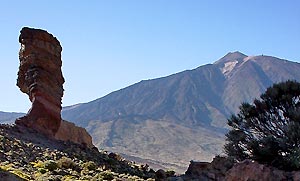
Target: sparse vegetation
[
  {"x": 268, "y": 130},
  {"x": 33, "y": 160}
]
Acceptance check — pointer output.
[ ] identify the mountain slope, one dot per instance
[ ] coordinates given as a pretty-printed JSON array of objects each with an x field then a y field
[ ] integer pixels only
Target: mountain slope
[
  {"x": 9, "y": 117},
  {"x": 172, "y": 120},
  {"x": 177, "y": 97}
]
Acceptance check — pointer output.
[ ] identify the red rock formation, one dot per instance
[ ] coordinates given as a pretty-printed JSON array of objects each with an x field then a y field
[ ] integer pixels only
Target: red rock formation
[
  {"x": 40, "y": 77},
  {"x": 216, "y": 170},
  {"x": 251, "y": 170},
  {"x": 224, "y": 169},
  {"x": 70, "y": 132}
]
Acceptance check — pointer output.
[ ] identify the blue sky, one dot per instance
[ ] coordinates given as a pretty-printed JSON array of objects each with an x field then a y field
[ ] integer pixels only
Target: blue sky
[{"x": 108, "y": 45}]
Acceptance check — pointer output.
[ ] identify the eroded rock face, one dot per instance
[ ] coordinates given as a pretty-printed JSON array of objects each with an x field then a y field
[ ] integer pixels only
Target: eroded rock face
[
  {"x": 216, "y": 170},
  {"x": 251, "y": 170},
  {"x": 224, "y": 169},
  {"x": 40, "y": 77},
  {"x": 70, "y": 132}
]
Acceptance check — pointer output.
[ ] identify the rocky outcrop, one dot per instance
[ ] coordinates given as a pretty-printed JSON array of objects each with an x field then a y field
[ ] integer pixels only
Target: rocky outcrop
[
  {"x": 224, "y": 169},
  {"x": 251, "y": 170},
  {"x": 215, "y": 170},
  {"x": 40, "y": 77},
  {"x": 70, "y": 132}
]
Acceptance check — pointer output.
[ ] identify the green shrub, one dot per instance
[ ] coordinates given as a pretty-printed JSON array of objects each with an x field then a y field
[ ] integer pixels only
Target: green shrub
[
  {"x": 90, "y": 165},
  {"x": 50, "y": 165},
  {"x": 170, "y": 173},
  {"x": 106, "y": 175},
  {"x": 268, "y": 130},
  {"x": 66, "y": 162},
  {"x": 42, "y": 170}
]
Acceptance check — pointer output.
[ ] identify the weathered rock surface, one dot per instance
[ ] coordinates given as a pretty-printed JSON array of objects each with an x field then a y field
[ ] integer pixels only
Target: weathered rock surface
[
  {"x": 224, "y": 169},
  {"x": 251, "y": 170},
  {"x": 40, "y": 77},
  {"x": 215, "y": 170},
  {"x": 70, "y": 132}
]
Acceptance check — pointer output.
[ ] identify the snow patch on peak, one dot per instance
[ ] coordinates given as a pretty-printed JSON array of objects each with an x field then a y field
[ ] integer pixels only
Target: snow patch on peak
[
  {"x": 228, "y": 67},
  {"x": 248, "y": 58}
]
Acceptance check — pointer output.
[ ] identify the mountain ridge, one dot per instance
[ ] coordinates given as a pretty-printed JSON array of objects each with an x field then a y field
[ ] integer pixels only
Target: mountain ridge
[
  {"x": 191, "y": 100},
  {"x": 9, "y": 117}
]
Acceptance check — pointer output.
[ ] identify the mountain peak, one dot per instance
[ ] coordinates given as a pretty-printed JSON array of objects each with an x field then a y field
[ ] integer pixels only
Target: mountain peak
[
  {"x": 231, "y": 56},
  {"x": 229, "y": 61}
]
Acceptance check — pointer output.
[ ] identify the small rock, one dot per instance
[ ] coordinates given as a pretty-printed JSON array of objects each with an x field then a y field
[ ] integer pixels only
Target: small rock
[{"x": 160, "y": 174}]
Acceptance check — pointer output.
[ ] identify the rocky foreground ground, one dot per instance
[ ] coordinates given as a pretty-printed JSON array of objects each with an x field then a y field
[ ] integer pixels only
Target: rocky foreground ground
[{"x": 27, "y": 155}]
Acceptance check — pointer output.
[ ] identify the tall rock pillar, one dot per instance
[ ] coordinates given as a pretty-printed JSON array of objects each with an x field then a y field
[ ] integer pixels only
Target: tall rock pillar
[{"x": 40, "y": 77}]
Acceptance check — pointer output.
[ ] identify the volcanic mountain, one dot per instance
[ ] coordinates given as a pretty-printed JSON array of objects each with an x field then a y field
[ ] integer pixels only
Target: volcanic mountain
[{"x": 169, "y": 121}]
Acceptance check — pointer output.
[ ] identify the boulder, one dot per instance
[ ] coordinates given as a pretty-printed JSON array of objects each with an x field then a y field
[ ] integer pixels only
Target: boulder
[
  {"x": 215, "y": 170},
  {"x": 252, "y": 170},
  {"x": 160, "y": 175},
  {"x": 70, "y": 132},
  {"x": 224, "y": 169}
]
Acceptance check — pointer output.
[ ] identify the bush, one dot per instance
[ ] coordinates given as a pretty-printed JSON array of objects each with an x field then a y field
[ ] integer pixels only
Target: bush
[
  {"x": 50, "y": 165},
  {"x": 106, "y": 175},
  {"x": 65, "y": 162},
  {"x": 170, "y": 173},
  {"x": 90, "y": 165},
  {"x": 42, "y": 170},
  {"x": 268, "y": 131}
]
